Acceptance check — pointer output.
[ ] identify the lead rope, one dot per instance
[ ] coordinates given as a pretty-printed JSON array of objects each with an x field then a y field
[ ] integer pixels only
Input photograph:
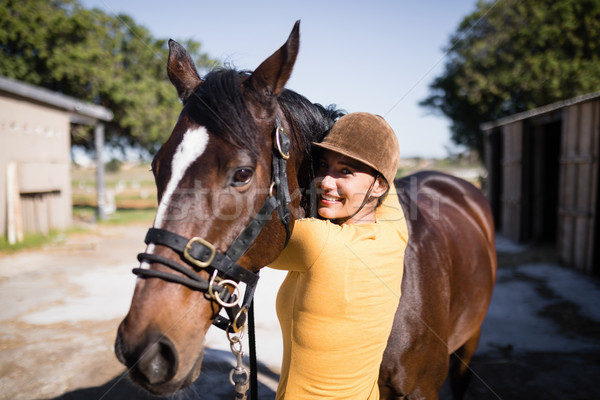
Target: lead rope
[{"x": 252, "y": 346}]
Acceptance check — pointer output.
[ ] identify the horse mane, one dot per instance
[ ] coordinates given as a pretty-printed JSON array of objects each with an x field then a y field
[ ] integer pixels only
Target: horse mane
[
  {"x": 311, "y": 122},
  {"x": 221, "y": 107}
]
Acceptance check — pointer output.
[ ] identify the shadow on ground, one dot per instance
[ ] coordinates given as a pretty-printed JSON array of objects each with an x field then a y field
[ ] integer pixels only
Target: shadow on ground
[
  {"x": 213, "y": 384},
  {"x": 548, "y": 376}
]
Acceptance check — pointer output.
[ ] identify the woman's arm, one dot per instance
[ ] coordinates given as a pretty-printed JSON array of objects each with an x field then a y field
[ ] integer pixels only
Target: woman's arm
[{"x": 307, "y": 241}]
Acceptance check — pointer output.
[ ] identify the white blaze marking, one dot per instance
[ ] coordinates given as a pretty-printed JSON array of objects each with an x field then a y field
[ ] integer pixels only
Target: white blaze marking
[{"x": 191, "y": 147}]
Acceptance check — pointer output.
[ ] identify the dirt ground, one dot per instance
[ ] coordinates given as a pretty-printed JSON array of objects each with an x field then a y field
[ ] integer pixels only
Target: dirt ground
[{"x": 61, "y": 305}]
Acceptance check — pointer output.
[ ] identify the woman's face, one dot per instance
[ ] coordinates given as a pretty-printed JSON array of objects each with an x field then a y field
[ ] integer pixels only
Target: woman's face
[{"x": 342, "y": 184}]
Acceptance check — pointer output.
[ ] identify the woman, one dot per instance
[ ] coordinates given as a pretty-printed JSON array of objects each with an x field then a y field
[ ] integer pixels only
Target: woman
[{"x": 336, "y": 305}]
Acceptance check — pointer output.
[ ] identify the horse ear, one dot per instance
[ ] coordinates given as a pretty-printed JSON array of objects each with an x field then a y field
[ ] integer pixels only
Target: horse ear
[
  {"x": 182, "y": 71},
  {"x": 269, "y": 79}
]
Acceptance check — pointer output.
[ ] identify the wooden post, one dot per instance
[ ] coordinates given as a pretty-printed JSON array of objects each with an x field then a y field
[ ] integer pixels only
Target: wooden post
[
  {"x": 13, "y": 205},
  {"x": 100, "y": 188}
]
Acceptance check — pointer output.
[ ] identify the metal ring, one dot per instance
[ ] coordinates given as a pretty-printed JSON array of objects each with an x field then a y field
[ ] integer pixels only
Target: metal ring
[
  {"x": 239, "y": 371},
  {"x": 194, "y": 261},
  {"x": 223, "y": 283},
  {"x": 271, "y": 189},
  {"x": 279, "y": 129},
  {"x": 236, "y": 347},
  {"x": 235, "y": 339}
]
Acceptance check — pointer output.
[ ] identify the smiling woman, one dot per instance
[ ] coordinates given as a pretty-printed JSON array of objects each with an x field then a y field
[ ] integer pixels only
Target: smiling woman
[
  {"x": 362, "y": 149},
  {"x": 322, "y": 294},
  {"x": 348, "y": 189}
]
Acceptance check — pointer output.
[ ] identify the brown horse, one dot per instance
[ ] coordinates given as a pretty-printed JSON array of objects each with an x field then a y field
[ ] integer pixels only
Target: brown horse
[{"x": 232, "y": 178}]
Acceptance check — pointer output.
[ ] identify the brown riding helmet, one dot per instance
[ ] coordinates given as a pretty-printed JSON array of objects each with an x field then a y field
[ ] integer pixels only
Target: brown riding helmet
[{"x": 367, "y": 138}]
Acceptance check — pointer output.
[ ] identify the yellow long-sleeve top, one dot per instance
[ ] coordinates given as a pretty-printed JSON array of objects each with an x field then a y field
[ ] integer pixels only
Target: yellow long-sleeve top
[{"x": 337, "y": 303}]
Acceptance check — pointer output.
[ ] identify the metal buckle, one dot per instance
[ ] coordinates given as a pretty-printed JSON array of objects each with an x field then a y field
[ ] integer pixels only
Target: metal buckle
[
  {"x": 279, "y": 129},
  {"x": 194, "y": 261}
]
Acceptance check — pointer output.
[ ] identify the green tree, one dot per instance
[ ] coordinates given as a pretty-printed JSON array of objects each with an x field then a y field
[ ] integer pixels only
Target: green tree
[
  {"x": 100, "y": 58},
  {"x": 513, "y": 55}
]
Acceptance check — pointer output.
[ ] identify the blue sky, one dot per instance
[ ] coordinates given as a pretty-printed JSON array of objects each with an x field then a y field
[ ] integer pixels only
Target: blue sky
[{"x": 375, "y": 56}]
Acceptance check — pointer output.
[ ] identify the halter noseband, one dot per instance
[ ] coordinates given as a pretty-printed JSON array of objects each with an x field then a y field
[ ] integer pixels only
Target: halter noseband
[{"x": 201, "y": 254}]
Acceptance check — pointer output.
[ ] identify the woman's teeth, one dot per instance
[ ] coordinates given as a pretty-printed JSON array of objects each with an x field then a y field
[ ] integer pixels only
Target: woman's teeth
[{"x": 329, "y": 198}]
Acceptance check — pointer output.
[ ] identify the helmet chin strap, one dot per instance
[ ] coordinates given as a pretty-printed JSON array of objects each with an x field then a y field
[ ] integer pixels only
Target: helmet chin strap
[{"x": 340, "y": 221}]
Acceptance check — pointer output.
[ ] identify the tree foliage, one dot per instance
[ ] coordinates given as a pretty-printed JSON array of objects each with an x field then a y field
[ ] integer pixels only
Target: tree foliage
[
  {"x": 513, "y": 55},
  {"x": 100, "y": 58}
]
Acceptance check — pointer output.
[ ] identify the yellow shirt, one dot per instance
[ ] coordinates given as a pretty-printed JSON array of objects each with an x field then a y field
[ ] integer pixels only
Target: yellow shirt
[{"x": 337, "y": 303}]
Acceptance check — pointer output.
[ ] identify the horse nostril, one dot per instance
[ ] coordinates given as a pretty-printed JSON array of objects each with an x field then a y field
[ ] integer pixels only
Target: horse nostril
[{"x": 158, "y": 362}]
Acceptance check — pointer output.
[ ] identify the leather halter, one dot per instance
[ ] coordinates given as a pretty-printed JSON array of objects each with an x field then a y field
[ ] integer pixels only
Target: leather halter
[{"x": 201, "y": 254}]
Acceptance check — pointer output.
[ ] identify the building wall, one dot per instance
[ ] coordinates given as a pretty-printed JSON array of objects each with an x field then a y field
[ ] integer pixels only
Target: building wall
[
  {"x": 546, "y": 168},
  {"x": 37, "y": 138},
  {"x": 512, "y": 185},
  {"x": 579, "y": 235}
]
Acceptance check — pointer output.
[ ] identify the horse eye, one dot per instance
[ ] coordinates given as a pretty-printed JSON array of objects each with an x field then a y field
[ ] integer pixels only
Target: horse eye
[{"x": 242, "y": 176}]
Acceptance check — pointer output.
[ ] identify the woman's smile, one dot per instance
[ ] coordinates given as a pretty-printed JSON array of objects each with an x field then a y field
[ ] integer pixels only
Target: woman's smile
[{"x": 330, "y": 199}]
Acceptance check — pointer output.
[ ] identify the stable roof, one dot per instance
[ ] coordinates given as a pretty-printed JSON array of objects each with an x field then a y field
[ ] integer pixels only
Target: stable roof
[
  {"x": 80, "y": 111},
  {"x": 487, "y": 126}
]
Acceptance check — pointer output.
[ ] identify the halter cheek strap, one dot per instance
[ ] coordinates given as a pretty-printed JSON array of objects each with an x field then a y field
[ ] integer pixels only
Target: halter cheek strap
[
  {"x": 282, "y": 144},
  {"x": 201, "y": 254}
]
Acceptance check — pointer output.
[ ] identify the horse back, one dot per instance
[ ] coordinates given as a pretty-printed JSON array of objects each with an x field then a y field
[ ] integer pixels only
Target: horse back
[
  {"x": 451, "y": 242},
  {"x": 449, "y": 273}
]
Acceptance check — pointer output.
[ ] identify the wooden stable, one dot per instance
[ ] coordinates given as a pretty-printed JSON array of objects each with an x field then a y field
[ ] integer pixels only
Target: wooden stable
[
  {"x": 35, "y": 180},
  {"x": 543, "y": 178}
]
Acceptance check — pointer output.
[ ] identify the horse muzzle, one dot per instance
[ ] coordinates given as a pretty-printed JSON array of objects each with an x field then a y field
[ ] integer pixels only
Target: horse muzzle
[{"x": 153, "y": 363}]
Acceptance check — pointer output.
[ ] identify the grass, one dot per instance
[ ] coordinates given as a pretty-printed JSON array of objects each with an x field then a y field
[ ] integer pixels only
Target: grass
[
  {"x": 121, "y": 216},
  {"x": 32, "y": 240},
  {"x": 129, "y": 216},
  {"x": 129, "y": 201}
]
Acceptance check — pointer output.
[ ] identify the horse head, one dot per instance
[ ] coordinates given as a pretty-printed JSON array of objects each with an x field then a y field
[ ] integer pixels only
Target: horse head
[{"x": 222, "y": 212}]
